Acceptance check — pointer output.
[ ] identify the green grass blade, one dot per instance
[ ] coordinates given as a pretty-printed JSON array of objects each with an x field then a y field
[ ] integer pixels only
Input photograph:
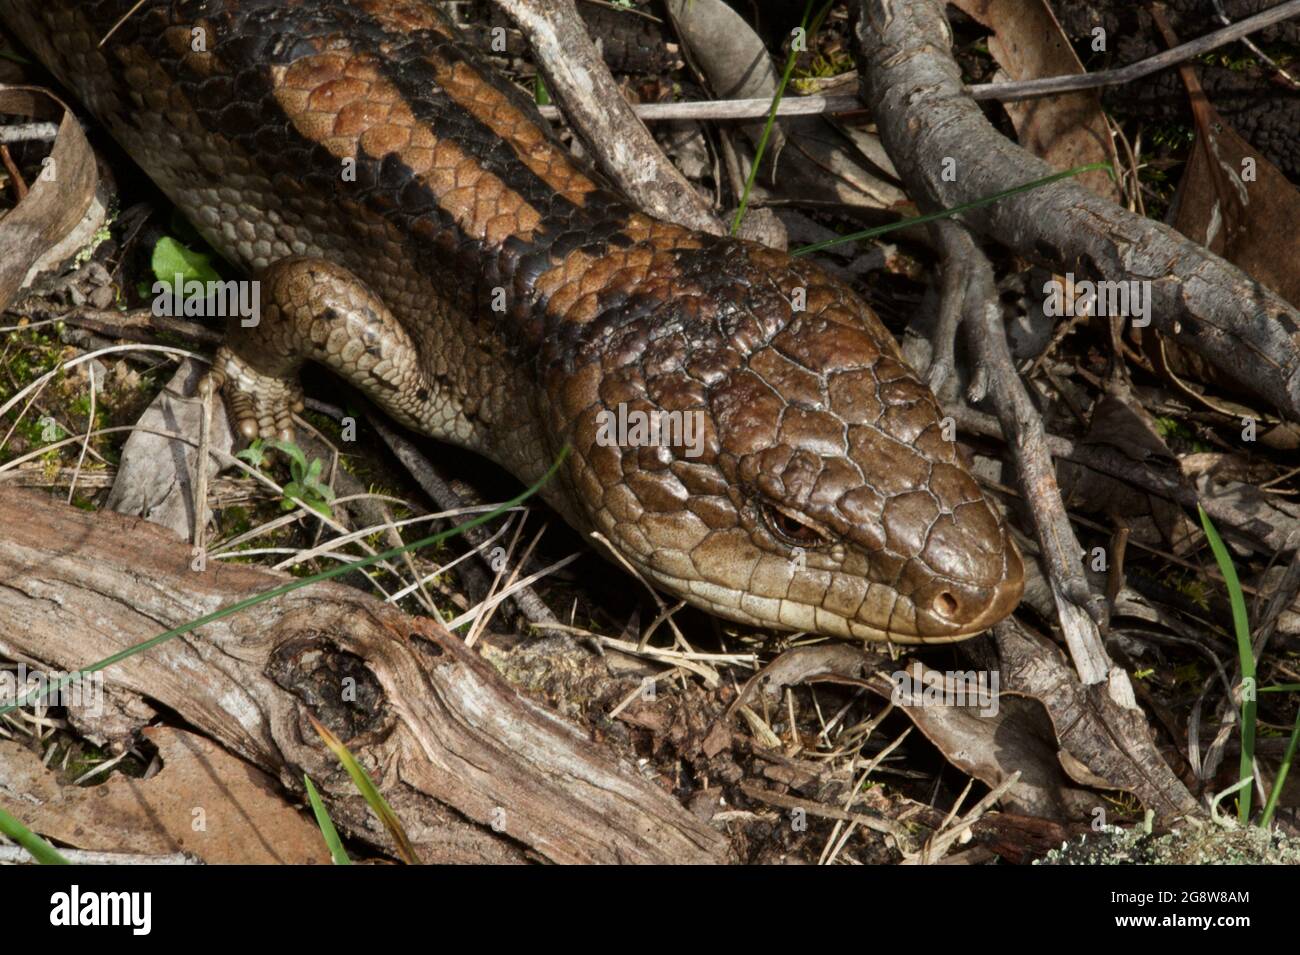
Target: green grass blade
[
  {"x": 1241, "y": 627},
  {"x": 374, "y": 798},
  {"x": 54, "y": 686},
  {"x": 949, "y": 213},
  {"x": 1288, "y": 757},
  {"x": 771, "y": 113},
  {"x": 326, "y": 825},
  {"x": 40, "y": 850}
]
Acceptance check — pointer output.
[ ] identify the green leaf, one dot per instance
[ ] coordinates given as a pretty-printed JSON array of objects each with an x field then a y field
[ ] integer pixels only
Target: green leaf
[
  {"x": 771, "y": 113},
  {"x": 1246, "y": 654},
  {"x": 254, "y": 454},
  {"x": 1282, "y": 770},
  {"x": 171, "y": 257},
  {"x": 40, "y": 850},
  {"x": 326, "y": 825},
  {"x": 319, "y": 506},
  {"x": 297, "y": 460},
  {"x": 305, "y": 488},
  {"x": 374, "y": 798}
]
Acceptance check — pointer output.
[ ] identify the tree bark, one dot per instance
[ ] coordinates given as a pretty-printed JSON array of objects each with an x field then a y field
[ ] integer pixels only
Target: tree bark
[
  {"x": 930, "y": 125},
  {"x": 450, "y": 744}
]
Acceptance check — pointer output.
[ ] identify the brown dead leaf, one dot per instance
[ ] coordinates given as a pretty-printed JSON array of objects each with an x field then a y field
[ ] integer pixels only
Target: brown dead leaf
[
  {"x": 1099, "y": 726},
  {"x": 1236, "y": 203},
  {"x": 1118, "y": 420},
  {"x": 992, "y": 739},
  {"x": 53, "y": 206},
  {"x": 204, "y": 801},
  {"x": 155, "y": 477},
  {"x": 1065, "y": 131}
]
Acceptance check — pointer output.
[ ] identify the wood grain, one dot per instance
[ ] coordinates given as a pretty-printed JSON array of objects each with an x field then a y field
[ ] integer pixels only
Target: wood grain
[{"x": 452, "y": 746}]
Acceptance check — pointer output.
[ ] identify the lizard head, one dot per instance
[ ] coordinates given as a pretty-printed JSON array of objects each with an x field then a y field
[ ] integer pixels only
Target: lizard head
[{"x": 756, "y": 445}]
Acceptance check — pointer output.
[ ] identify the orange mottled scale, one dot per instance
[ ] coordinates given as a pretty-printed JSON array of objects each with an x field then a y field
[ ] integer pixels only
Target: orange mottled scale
[{"x": 417, "y": 228}]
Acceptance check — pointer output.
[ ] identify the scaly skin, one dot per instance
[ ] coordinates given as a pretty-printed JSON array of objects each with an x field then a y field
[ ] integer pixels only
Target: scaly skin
[{"x": 417, "y": 229}]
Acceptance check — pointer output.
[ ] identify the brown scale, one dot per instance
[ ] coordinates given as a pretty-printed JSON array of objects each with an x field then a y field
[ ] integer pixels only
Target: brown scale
[{"x": 822, "y": 497}]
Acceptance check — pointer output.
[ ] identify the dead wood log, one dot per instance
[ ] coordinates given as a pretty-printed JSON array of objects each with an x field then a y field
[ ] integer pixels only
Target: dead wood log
[
  {"x": 930, "y": 126},
  {"x": 444, "y": 736}
]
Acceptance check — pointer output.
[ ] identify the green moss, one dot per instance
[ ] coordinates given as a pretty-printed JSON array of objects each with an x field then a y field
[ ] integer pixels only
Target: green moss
[
  {"x": 235, "y": 520},
  {"x": 103, "y": 234},
  {"x": 1192, "y": 844},
  {"x": 1171, "y": 429},
  {"x": 84, "y": 757},
  {"x": 1190, "y": 585},
  {"x": 1224, "y": 59},
  {"x": 820, "y": 67},
  {"x": 1170, "y": 135}
]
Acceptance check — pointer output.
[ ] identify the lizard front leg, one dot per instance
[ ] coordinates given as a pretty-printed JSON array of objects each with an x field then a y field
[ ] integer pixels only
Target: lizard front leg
[{"x": 313, "y": 310}]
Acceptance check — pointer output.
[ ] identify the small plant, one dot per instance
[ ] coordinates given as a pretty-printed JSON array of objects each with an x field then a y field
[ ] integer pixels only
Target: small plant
[
  {"x": 171, "y": 257},
  {"x": 1246, "y": 655},
  {"x": 1171, "y": 428},
  {"x": 305, "y": 487},
  {"x": 1172, "y": 136}
]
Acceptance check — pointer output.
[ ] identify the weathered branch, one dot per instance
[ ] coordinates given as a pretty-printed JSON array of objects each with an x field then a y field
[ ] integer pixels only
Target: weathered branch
[
  {"x": 1075, "y": 604},
  {"x": 818, "y": 104},
  {"x": 444, "y": 736},
  {"x": 595, "y": 106},
  {"x": 929, "y": 124},
  {"x": 1104, "y": 741}
]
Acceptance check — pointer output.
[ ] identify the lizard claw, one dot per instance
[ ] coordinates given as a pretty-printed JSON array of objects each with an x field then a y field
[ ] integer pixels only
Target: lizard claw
[{"x": 262, "y": 406}]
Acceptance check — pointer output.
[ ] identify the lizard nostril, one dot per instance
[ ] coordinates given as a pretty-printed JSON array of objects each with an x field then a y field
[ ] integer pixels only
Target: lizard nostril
[{"x": 946, "y": 604}]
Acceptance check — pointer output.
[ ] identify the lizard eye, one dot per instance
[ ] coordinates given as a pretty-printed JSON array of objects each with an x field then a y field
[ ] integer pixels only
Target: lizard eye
[{"x": 790, "y": 527}]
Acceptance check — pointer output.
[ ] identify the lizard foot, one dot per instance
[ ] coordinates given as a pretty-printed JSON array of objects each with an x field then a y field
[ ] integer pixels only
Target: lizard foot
[{"x": 262, "y": 406}]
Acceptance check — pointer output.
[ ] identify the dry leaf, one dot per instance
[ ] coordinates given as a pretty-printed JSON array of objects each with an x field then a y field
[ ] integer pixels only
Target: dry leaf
[
  {"x": 1065, "y": 131},
  {"x": 1238, "y": 204},
  {"x": 54, "y": 206},
  {"x": 204, "y": 801}
]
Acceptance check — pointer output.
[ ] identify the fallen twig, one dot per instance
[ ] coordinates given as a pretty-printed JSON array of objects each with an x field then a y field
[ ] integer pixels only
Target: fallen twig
[
  {"x": 1079, "y": 611},
  {"x": 821, "y": 104},
  {"x": 420, "y": 700},
  {"x": 594, "y": 105},
  {"x": 931, "y": 126}
]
